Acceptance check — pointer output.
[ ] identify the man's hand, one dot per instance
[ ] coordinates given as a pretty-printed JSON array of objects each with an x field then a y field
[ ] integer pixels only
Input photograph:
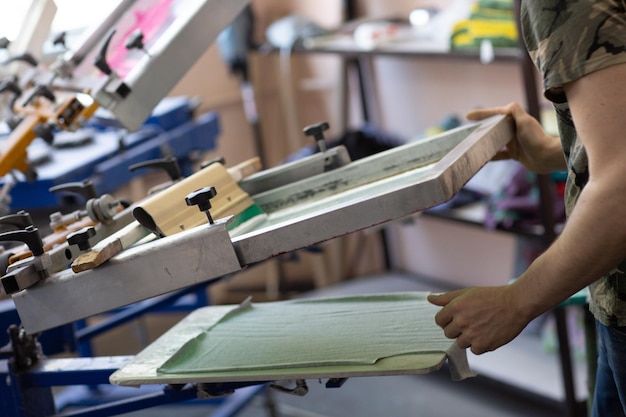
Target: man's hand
[
  {"x": 480, "y": 318},
  {"x": 531, "y": 146}
]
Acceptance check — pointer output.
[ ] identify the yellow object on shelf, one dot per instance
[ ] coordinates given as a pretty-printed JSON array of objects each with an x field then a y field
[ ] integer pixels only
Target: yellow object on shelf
[
  {"x": 469, "y": 34},
  {"x": 490, "y": 20}
]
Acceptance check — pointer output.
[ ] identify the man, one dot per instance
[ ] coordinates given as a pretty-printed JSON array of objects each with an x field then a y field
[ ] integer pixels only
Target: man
[{"x": 579, "y": 47}]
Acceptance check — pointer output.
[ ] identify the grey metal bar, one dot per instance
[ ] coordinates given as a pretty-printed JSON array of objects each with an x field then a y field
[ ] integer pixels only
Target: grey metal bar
[
  {"x": 377, "y": 202},
  {"x": 141, "y": 272},
  {"x": 170, "y": 58}
]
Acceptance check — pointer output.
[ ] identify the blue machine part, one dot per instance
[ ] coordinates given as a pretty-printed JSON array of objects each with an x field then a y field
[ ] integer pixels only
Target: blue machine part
[
  {"x": 170, "y": 113},
  {"x": 57, "y": 340},
  {"x": 107, "y": 152},
  {"x": 29, "y": 394},
  {"x": 199, "y": 134}
]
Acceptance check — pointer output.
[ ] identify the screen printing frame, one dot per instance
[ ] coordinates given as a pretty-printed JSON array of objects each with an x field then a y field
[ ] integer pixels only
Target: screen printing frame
[
  {"x": 369, "y": 192},
  {"x": 139, "y": 78}
]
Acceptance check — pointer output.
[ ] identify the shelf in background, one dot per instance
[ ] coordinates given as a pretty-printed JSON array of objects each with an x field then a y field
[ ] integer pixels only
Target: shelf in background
[
  {"x": 475, "y": 214},
  {"x": 344, "y": 45}
]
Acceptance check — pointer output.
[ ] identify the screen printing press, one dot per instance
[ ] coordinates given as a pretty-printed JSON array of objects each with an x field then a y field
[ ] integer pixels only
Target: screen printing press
[
  {"x": 207, "y": 225},
  {"x": 281, "y": 210}
]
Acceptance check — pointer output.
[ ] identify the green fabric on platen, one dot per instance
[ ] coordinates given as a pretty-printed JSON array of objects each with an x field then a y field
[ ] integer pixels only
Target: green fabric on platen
[{"x": 312, "y": 333}]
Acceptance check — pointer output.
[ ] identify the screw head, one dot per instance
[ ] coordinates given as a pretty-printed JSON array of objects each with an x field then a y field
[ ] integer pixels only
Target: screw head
[
  {"x": 81, "y": 238},
  {"x": 201, "y": 198}
]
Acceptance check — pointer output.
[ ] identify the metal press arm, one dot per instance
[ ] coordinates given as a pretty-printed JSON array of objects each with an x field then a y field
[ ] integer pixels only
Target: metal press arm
[{"x": 351, "y": 198}]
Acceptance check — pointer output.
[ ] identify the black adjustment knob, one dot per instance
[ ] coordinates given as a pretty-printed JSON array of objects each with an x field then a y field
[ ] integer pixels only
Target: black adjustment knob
[
  {"x": 25, "y": 57},
  {"x": 81, "y": 238},
  {"x": 30, "y": 236},
  {"x": 39, "y": 91},
  {"x": 46, "y": 92},
  {"x": 60, "y": 39},
  {"x": 21, "y": 220},
  {"x": 30, "y": 174},
  {"x": 4, "y": 42},
  {"x": 101, "y": 59},
  {"x": 169, "y": 164},
  {"x": 202, "y": 199},
  {"x": 11, "y": 86},
  {"x": 121, "y": 89},
  {"x": 317, "y": 131},
  {"x": 44, "y": 131},
  {"x": 85, "y": 189},
  {"x": 135, "y": 40},
  {"x": 218, "y": 160},
  {"x": 13, "y": 122}
]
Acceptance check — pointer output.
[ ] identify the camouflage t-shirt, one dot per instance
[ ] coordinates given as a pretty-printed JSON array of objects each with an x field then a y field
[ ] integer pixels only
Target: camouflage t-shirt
[{"x": 568, "y": 39}]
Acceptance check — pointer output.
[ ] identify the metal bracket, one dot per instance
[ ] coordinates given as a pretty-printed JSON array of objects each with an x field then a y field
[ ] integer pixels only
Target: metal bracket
[
  {"x": 20, "y": 279},
  {"x": 300, "y": 390},
  {"x": 335, "y": 382},
  {"x": 23, "y": 350},
  {"x": 143, "y": 271},
  {"x": 210, "y": 391}
]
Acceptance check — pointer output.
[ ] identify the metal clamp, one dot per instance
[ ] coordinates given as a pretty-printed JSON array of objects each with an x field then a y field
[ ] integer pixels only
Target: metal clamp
[
  {"x": 300, "y": 390},
  {"x": 23, "y": 350}
]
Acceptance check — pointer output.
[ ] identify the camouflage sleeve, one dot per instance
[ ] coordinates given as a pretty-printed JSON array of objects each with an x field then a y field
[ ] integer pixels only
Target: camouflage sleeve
[{"x": 568, "y": 39}]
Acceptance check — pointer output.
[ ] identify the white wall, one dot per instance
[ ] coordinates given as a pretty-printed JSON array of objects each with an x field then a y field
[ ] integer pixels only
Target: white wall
[{"x": 416, "y": 93}]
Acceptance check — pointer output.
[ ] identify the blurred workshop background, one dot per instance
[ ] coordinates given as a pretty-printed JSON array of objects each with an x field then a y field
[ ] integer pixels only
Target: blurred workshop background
[{"x": 381, "y": 74}]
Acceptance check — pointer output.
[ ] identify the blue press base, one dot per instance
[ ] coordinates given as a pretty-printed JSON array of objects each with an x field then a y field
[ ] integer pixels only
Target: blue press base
[{"x": 171, "y": 130}]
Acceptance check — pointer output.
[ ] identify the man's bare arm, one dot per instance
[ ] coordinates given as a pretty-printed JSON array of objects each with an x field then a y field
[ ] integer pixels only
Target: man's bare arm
[{"x": 592, "y": 243}]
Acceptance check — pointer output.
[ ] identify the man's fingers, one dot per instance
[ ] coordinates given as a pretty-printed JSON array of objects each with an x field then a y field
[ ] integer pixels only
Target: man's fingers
[
  {"x": 438, "y": 299},
  {"x": 444, "y": 316},
  {"x": 451, "y": 331},
  {"x": 476, "y": 347},
  {"x": 463, "y": 342},
  {"x": 480, "y": 114},
  {"x": 444, "y": 299},
  {"x": 513, "y": 109}
]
